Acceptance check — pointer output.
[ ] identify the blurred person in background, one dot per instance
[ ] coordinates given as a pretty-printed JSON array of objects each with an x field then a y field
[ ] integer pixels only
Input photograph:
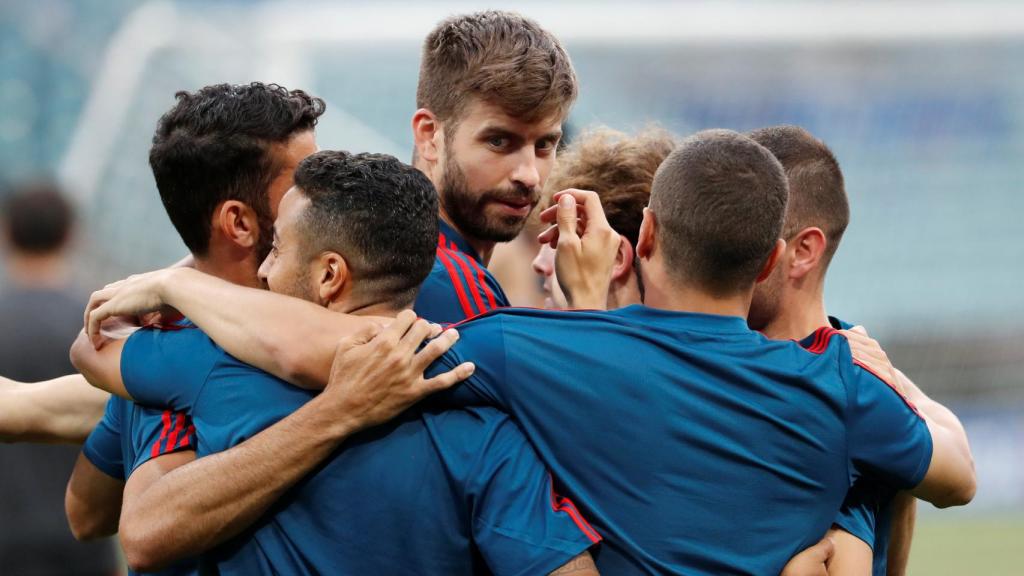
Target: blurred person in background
[{"x": 41, "y": 315}]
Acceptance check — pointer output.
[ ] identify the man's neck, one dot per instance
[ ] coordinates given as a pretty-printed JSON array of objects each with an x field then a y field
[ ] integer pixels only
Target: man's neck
[
  {"x": 800, "y": 314},
  {"x": 484, "y": 248},
  {"x": 669, "y": 294},
  {"x": 375, "y": 310},
  {"x": 38, "y": 270},
  {"x": 235, "y": 272}
]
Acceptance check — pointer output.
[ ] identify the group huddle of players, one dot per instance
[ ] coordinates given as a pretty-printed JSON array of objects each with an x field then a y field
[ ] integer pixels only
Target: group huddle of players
[{"x": 685, "y": 407}]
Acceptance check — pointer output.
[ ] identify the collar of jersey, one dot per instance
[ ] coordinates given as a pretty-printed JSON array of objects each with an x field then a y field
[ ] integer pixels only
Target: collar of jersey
[
  {"x": 690, "y": 320},
  {"x": 452, "y": 236}
]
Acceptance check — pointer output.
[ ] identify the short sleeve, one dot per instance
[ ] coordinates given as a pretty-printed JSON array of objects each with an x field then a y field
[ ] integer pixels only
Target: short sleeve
[
  {"x": 103, "y": 446},
  {"x": 887, "y": 438},
  {"x": 157, "y": 432},
  {"x": 481, "y": 341},
  {"x": 520, "y": 524},
  {"x": 167, "y": 368}
]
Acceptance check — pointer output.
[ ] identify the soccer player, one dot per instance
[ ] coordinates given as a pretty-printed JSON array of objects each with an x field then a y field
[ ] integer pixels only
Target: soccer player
[
  {"x": 696, "y": 444},
  {"x": 620, "y": 168},
  {"x": 435, "y": 492},
  {"x": 790, "y": 304},
  {"x": 784, "y": 307},
  {"x": 222, "y": 157},
  {"x": 494, "y": 89}
]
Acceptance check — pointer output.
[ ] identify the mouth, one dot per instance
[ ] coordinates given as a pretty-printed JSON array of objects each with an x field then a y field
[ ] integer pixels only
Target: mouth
[{"x": 515, "y": 207}]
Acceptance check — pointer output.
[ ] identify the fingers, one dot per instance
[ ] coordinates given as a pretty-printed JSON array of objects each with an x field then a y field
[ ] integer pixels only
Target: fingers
[
  {"x": 396, "y": 329},
  {"x": 448, "y": 379},
  {"x": 549, "y": 236},
  {"x": 566, "y": 217},
  {"x": 435, "y": 349},
  {"x": 411, "y": 340}
]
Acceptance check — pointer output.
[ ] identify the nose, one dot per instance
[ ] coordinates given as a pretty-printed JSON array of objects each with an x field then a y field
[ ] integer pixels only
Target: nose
[
  {"x": 264, "y": 268},
  {"x": 539, "y": 264},
  {"x": 526, "y": 173}
]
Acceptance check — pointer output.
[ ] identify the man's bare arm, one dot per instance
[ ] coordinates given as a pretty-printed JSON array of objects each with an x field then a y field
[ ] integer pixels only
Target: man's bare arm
[
  {"x": 62, "y": 410},
  {"x": 851, "y": 557},
  {"x": 950, "y": 480},
  {"x": 287, "y": 337},
  {"x": 582, "y": 565},
  {"x": 100, "y": 366},
  {"x": 92, "y": 501},
  {"x": 904, "y": 515},
  {"x": 811, "y": 561},
  {"x": 202, "y": 504}
]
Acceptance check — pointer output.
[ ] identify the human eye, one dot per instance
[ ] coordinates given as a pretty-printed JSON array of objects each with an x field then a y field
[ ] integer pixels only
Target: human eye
[
  {"x": 498, "y": 141},
  {"x": 546, "y": 145}
]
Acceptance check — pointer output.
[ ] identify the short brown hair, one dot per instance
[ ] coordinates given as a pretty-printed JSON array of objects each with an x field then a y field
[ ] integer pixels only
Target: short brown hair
[
  {"x": 619, "y": 167},
  {"x": 719, "y": 200},
  {"x": 817, "y": 195},
  {"x": 499, "y": 57}
]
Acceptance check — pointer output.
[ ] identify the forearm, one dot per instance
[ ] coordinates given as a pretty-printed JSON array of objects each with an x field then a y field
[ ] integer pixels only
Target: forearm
[
  {"x": 950, "y": 480},
  {"x": 287, "y": 337},
  {"x": 62, "y": 410},
  {"x": 202, "y": 504},
  {"x": 904, "y": 515},
  {"x": 92, "y": 501}
]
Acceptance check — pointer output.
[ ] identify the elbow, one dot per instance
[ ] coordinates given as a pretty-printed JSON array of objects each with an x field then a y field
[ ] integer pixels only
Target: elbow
[
  {"x": 87, "y": 524},
  {"x": 140, "y": 553},
  {"x": 959, "y": 494},
  {"x": 78, "y": 352},
  {"x": 298, "y": 367}
]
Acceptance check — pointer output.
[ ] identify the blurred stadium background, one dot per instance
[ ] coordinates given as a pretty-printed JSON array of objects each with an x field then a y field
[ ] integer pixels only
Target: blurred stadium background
[{"x": 922, "y": 102}]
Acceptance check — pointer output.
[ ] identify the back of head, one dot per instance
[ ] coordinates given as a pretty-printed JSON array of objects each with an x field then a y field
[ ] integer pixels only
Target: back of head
[
  {"x": 37, "y": 218},
  {"x": 217, "y": 144},
  {"x": 719, "y": 200},
  {"x": 619, "y": 167},
  {"x": 817, "y": 196},
  {"x": 378, "y": 213},
  {"x": 500, "y": 58}
]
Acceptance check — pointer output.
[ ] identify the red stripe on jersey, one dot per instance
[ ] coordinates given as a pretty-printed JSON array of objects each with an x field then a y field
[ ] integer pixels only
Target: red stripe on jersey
[
  {"x": 460, "y": 291},
  {"x": 890, "y": 385},
  {"x": 166, "y": 417},
  {"x": 483, "y": 283},
  {"x": 172, "y": 439},
  {"x": 441, "y": 239},
  {"x": 562, "y": 504},
  {"x": 187, "y": 440},
  {"x": 474, "y": 288},
  {"x": 823, "y": 335}
]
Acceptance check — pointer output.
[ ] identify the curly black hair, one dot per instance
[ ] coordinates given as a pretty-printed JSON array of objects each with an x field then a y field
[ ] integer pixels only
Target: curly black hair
[{"x": 215, "y": 145}]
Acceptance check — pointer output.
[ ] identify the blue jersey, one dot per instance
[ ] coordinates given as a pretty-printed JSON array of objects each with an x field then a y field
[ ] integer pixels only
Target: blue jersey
[
  {"x": 867, "y": 511},
  {"x": 445, "y": 492},
  {"x": 128, "y": 436},
  {"x": 458, "y": 286},
  {"x": 692, "y": 443}
]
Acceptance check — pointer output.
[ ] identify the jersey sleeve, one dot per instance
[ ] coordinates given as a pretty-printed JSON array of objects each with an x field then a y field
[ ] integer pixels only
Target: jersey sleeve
[
  {"x": 520, "y": 524},
  {"x": 481, "y": 341},
  {"x": 167, "y": 368},
  {"x": 157, "y": 432},
  {"x": 887, "y": 438},
  {"x": 103, "y": 446}
]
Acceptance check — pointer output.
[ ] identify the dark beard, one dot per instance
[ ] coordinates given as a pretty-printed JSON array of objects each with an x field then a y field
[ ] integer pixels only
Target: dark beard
[{"x": 467, "y": 210}]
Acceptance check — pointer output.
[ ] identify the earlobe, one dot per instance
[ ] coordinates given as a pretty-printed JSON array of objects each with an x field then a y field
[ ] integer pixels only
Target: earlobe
[
  {"x": 808, "y": 250},
  {"x": 623, "y": 260},
  {"x": 238, "y": 223},
  {"x": 426, "y": 130},
  {"x": 645, "y": 242},
  {"x": 333, "y": 276},
  {"x": 773, "y": 259}
]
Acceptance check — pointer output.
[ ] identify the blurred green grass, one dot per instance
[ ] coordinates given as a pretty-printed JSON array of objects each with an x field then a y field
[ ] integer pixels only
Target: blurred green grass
[{"x": 962, "y": 546}]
